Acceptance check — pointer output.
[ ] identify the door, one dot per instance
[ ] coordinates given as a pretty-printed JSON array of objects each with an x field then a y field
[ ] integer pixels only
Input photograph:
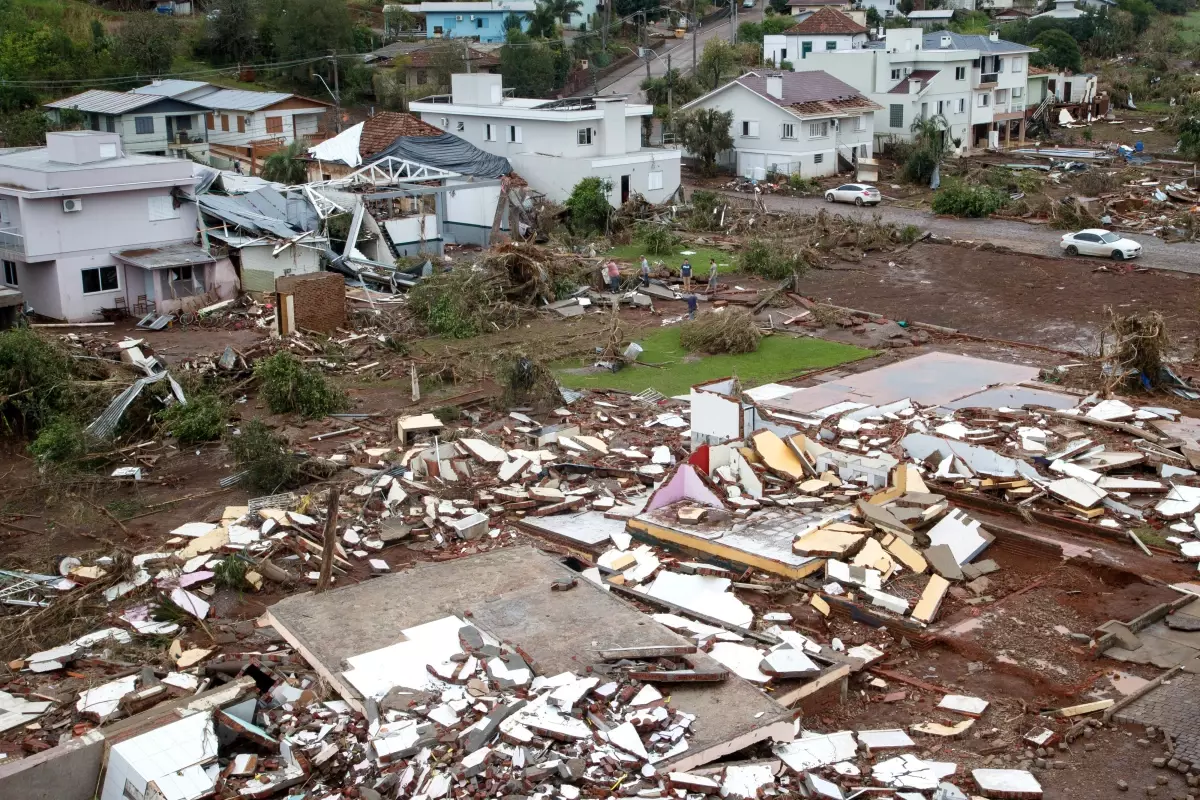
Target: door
[
  {"x": 624, "y": 189},
  {"x": 1066, "y": 98},
  {"x": 805, "y": 49}
]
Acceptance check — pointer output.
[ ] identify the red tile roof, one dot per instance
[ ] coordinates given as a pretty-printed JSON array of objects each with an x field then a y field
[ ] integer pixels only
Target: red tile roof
[
  {"x": 922, "y": 75},
  {"x": 815, "y": 3},
  {"x": 827, "y": 21},
  {"x": 386, "y": 127},
  {"x": 811, "y": 93},
  {"x": 423, "y": 58}
]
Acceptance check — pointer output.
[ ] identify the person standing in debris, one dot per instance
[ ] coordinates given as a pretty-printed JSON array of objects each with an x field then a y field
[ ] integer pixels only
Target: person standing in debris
[
  {"x": 685, "y": 271},
  {"x": 712, "y": 276},
  {"x": 614, "y": 277},
  {"x": 645, "y": 271},
  {"x": 691, "y": 301}
]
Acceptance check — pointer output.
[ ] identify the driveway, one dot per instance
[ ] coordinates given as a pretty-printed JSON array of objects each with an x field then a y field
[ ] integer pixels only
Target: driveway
[
  {"x": 1020, "y": 236},
  {"x": 630, "y": 79}
]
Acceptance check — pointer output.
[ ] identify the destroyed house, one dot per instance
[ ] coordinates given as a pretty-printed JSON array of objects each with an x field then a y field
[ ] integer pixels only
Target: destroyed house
[{"x": 554, "y": 144}]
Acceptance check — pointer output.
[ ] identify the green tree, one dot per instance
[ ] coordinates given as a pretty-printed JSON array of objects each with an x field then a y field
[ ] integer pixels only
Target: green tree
[
  {"x": 230, "y": 33},
  {"x": 1142, "y": 12},
  {"x": 930, "y": 143},
  {"x": 972, "y": 22},
  {"x": 718, "y": 61},
  {"x": 286, "y": 166},
  {"x": 565, "y": 9},
  {"x": 705, "y": 133},
  {"x": 446, "y": 59},
  {"x": 780, "y": 7},
  {"x": 304, "y": 28},
  {"x": 543, "y": 23},
  {"x": 683, "y": 88},
  {"x": 147, "y": 42},
  {"x": 512, "y": 22},
  {"x": 1056, "y": 48},
  {"x": 873, "y": 18},
  {"x": 528, "y": 67},
  {"x": 589, "y": 206}
]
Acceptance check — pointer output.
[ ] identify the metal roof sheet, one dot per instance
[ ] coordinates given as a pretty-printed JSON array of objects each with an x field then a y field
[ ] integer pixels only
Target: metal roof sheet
[
  {"x": 243, "y": 99},
  {"x": 172, "y": 255},
  {"x": 172, "y": 87},
  {"x": 101, "y": 101}
]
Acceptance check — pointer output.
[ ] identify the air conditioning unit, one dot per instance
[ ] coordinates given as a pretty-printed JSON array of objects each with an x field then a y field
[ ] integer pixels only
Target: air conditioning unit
[
  {"x": 458, "y": 18},
  {"x": 472, "y": 18},
  {"x": 72, "y": 204}
]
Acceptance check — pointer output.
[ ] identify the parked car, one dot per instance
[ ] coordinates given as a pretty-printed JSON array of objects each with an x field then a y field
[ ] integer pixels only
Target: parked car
[
  {"x": 1099, "y": 242},
  {"x": 858, "y": 193},
  {"x": 747, "y": 3}
]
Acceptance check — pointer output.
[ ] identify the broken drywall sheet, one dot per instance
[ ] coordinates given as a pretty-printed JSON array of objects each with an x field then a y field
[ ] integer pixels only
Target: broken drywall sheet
[
  {"x": 703, "y": 594},
  {"x": 715, "y": 418},
  {"x": 981, "y": 460},
  {"x": 173, "y": 758},
  {"x": 685, "y": 484},
  {"x": 817, "y": 750},
  {"x": 1077, "y": 491},
  {"x": 962, "y": 534},
  {"x": 407, "y": 663}
]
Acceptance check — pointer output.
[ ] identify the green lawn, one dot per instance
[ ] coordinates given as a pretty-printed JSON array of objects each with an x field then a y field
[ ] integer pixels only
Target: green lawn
[
  {"x": 1189, "y": 27},
  {"x": 632, "y": 253},
  {"x": 778, "y": 357}
]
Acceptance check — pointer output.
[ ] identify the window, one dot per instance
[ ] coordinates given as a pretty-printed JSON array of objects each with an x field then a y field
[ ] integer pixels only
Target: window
[
  {"x": 985, "y": 100},
  {"x": 422, "y": 77},
  {"x": 750, "y": 128},
  {"x": 1018, "y": 64},
  {"x": 860, "y": 123},
  {"x": 1001, "y": 96},
  {"x": 584, "y": 136},
  {"x": 460, "y": 126},
  {"x": 99, "y": 279},
  {"x": 960, "y": 73},
  {"x": 4, "y": 217},
  {"x": 444, "y": 123},
  {"x": 654, "y": 179},
  {"x": 1109, "y": 238},
  {"x": 895, "y": 74},
  {"x": 224, "y": 122},
  {"x": 181, "y": 273},
  {"x": 783, "y": 54},
  {"x": 481, "y": 22},
  {"x": 241, "y": 124},
  {"x": 962, "y": 105},
  {"x": 489, "y": 132},
  {"x": 818, "y": 130},
  {"x": 896, "y": 115},
  {"x": 818, "y": 158},
  {"x": 143, "y": 125},
  {"x": 514, "y": 133},
  {"x": 999, "y": 64},
  {"x": 163, "y": 207},
  {"x": 941, "y": 107},
  {"x": 831, "y": 45},
  {"x": 787, "y": 131},
  {"x": 1086, "y": 237},
  {"x": 183, "y": 123},
  {"x": 110, "y": 124},
  {"x": 1018, "y": 92},
  {"x": 274, "y": 124},
  {"x": 862, "y": 151},
  {"x": 10, "y": 273}
]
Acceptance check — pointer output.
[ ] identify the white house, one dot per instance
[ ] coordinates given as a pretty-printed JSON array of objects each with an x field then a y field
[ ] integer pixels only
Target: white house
[
  {"x": 826, "y": 29},
  {"x": 886, "y": 9},
  {"x": 793, "y": 122},
  {"x": 976, "y": 83},
  {"x": 927, "y": 19},
  {"x": 85, "y": 225},
  {"x": 554, "y": 144},
  {"x": 146, "y": 123},
  {"x": 1061, "y": 9}
]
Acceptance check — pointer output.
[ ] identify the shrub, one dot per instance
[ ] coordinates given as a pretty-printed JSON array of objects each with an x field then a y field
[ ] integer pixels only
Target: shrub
[
  {"x": 287, "y": 385},
  {"x": 960, "y": 200},
  {"x": 452, "y": 304},
  {"x": 909, "y": 234},
  {"x": 230, "y": 573},
  {"x": 589, "y": 206},
  {"x": 263, "y": 454},
  {"x": 33, "y": 381},
  {"x": 201, "y": 420},
  {"x": 730, "y": 330},
  {"x": 61, "y": 440},
  {"x": 657, "y": 239},
  {"x": 768, "y": 260},
  {"x": 803, "y": 184}
]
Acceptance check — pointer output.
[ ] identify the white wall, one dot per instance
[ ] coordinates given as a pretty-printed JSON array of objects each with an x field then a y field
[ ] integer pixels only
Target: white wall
[
  {"x": 301, "y": 121},
  {"x": 260, "y": 268},
  {"x": 556, "y": 177},
  {"x": 715, "y": 419},
  {"x": 111, "y": 221},
  {"x": 778, "y": 48},
  {"x": 536, "y": 136}
]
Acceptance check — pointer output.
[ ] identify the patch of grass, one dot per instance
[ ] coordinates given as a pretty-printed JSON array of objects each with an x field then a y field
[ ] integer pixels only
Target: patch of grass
[
  {"x": 1188, "y": 28},
  {"x": 288, "y": 385},
  {"x": 778, "y": 357},
  {"x": 201, "y": 420},
  {"x": 633, "y": 253}
]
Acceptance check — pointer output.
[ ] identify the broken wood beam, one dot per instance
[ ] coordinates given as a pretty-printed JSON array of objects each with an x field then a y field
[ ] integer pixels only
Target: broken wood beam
[{"x": 330, "y": 541}]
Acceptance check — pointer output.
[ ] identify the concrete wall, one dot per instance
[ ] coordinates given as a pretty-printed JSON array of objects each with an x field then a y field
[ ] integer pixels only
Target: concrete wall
[
  {"x": 550, "y": 137},
  {"x": 318, "y": 299},
  {"x": 260, "y": 268},
  {"x": 492, "y": 22},
  {"x": 297, "y": 122},
  {"x": 556, "y": 177},
  {"x": 70, "y": 771},
  {"x": 116, "y": 220}
]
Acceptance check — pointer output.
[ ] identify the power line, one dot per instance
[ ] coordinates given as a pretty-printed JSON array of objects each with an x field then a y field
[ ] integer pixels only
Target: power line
[{"x": 225, "y": 70}]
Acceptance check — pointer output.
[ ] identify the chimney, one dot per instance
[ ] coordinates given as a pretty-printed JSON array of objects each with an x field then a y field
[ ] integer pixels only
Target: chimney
[
  {"x": 914, "y": 85},
  {"x": 994, "y": 36},
  {"x": 613, "y": 127},
  {"x": 775, "y": 85},
  {"x": 947, "y": 41}
]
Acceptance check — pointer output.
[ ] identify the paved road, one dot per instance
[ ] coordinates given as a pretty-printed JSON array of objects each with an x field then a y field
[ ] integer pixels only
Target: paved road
[
  {"x": 1020, "y": 236},
  {"x": 630, "y": 81}
]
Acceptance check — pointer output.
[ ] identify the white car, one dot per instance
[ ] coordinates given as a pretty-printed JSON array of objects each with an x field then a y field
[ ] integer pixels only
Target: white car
[
  {"x": 1099, "y": 242},
  {"x": 858, "y": 193}
]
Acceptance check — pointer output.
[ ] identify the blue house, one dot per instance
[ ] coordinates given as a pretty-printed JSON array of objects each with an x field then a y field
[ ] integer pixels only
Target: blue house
[{"x": 471, "y": 20}]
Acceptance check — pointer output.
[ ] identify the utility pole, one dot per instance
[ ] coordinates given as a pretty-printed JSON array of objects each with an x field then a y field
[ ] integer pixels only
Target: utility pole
[
  {"x": 670, "y": 89},
  {"x": 467, "y": 54},
  {"x": 646, "y": 41},
  {"x": 695, "y": 33},
  {"x": 337, "y": 94},
  {"x": 604, "y": 23},
  {"x": 733, "y": 4}
]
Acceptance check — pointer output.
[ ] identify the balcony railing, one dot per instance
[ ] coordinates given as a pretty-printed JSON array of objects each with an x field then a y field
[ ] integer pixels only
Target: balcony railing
[
  {"x": 989, "y": 78},
  {"x": 11, "y": 241}
]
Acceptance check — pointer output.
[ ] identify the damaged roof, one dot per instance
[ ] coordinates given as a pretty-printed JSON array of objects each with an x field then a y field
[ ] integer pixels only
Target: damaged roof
[
  {"x": 385, "y": 127},
  {"x": 811, "y": 93},
  {"x": 828, "y": 20},
  {"x": 173, "y": 255}
]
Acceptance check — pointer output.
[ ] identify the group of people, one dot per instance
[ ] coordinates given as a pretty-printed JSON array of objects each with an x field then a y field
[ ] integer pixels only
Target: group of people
[{"x": 685, "y": 271}]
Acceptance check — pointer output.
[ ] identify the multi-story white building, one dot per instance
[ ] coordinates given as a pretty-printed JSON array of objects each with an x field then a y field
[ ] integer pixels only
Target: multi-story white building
[
  {"x": 976, "y": 83},
  {"x": 808, "y": 123},
  {"x": 827, "y": 29},
  {"x": 554, "y": 144}
]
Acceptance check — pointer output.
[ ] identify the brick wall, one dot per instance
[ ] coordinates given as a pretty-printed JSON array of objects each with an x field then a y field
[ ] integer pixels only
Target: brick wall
[{"x": 319, "y": 299}]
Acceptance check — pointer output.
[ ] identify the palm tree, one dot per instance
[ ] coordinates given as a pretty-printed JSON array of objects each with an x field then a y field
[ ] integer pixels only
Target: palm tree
[
  {"x": 565, "y": 9},
  {"x": 543, "y": 22},
  {"x": 286, "y": 165}
]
